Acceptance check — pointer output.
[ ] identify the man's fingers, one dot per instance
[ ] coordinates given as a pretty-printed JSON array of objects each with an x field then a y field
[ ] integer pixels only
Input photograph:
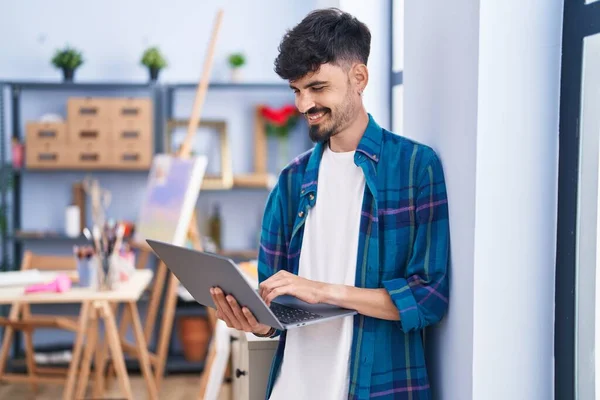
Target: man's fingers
[
  {"x": 254, "y": 323},
  {"x": 237, "y": 311},
  {"x": 269, "y": 284},
  {"x": 250, "y": 318},
  {"x": 219, "y": 313},
  {"x": 225, "y": 309},
  {"x": 276, "y": 293},
  {"x": 224, "y": 318},
  {"x": 274, "y": 286}
]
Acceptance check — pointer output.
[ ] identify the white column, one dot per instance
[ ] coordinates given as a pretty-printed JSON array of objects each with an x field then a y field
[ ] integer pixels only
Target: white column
[{"x": 482, "y": 87}]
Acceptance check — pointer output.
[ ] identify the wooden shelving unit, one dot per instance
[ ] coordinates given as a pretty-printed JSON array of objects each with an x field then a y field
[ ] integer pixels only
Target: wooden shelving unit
[
  {"x": 13, "y": 241},
  {"x": 57, "y": 236},
  {"x": 258, "y": 181}
]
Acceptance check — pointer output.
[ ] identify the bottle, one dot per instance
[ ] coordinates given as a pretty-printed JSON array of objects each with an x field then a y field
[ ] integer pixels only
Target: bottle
[
  {"x": 214, "y": 227},
  {"x": 72, "y": 225}
]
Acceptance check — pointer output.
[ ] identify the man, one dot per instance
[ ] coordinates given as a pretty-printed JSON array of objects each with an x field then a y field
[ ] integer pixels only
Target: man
[{"x": 360, "y": 221}]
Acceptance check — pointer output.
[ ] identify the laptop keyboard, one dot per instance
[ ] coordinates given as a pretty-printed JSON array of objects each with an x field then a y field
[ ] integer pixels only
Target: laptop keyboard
[{"x": 289, "y": 315}]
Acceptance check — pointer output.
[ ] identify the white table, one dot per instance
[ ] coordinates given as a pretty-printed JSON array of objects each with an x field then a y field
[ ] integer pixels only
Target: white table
[{"x": 94, "y": 305}]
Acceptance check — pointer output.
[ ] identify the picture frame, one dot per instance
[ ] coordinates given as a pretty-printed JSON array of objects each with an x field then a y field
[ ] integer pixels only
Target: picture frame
[
  {"x": 219, "y": 171},
  {"x": 260, "y": 176}
]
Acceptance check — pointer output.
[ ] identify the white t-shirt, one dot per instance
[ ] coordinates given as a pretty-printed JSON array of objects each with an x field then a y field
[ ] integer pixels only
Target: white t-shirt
[{"x": 316, "y": 358}]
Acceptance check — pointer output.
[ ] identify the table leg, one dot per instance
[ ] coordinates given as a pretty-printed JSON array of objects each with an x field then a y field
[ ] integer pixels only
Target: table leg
[
  {"x": 15, "y": 311},
  {"x": 112, "y": 336},
  {"x": 143, "y": 356},
  {"x": 87, "y": 356},
  {"x": 29, "y": 350},
  {"x": 100, "y": 366},
  {"x": 110, "y": 372},
  {"x": 74, "y": 366},
  {"x": 166, "y": 328}
]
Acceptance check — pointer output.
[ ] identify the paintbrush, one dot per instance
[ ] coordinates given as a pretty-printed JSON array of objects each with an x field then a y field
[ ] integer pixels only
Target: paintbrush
[
  {"x": 88, "y": 236},
  {"x": 119, "y": 239},
  {"x": 96, "y": 235}
]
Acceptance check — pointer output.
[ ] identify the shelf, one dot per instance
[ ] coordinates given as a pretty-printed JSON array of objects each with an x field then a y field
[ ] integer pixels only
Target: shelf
[
  {"x": 257, "y": 181},
  {"x": 46, "y": 235},
  {"x": 178, "y": 363},
  {"x": 189, "y": 309},
  {"x": 38, "y": 85},
  {"x": 49, "y": 85},
  {"x": 244, "y": 181},
  {"x": 234, "y": 85},
  {"x": 57, "y": 236},
  {"x": 22, "y": 171},
  {"x": 241, "y": 254}
]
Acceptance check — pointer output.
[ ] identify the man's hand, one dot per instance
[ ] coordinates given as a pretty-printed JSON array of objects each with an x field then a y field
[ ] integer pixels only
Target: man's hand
[
  {"x": 283, "y": 283},
  {"x": 235, "y": 316}
]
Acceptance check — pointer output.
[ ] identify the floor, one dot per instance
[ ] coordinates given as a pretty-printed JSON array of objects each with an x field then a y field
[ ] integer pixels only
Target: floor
[{"x": 174, "y": 387}]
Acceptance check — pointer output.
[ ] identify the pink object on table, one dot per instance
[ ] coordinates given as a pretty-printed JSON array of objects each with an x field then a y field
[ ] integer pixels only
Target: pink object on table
[{"x": 62, "y": 283}]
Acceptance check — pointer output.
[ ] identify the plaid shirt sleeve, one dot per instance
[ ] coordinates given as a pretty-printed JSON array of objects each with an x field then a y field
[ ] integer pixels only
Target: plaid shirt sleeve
[
  {"x": 272, "y": 253},
  {"x": 421, "y": 296}
]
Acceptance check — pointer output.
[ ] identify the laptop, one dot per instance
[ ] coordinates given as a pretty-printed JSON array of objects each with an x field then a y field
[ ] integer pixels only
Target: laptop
[{"x": 199, "y": 271}]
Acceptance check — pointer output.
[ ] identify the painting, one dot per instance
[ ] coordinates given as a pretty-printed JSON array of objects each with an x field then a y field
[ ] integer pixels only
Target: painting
[
  {"x": 170, "y": 198},
  {"x": 211, "y": 140}
]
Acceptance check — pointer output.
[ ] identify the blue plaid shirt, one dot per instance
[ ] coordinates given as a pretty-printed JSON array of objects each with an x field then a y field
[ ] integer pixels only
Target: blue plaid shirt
[{"x": 403, "y": 247}]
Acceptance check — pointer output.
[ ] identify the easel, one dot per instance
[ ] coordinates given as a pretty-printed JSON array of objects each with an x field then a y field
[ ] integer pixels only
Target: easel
[{"x": 158, "y": 359}]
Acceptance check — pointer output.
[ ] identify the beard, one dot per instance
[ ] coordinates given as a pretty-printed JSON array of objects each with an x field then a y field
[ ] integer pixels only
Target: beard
[
  {"x": 335, "y": 121},
  {"x": 321, "y": 133}
]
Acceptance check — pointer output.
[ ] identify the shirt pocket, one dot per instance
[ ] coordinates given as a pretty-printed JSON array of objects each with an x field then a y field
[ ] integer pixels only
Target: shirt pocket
[{"x": 396, "y": 226}]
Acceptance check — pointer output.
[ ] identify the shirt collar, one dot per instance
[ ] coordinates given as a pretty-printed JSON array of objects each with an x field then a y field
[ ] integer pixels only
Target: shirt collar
[{"x": 369, "y": 145}]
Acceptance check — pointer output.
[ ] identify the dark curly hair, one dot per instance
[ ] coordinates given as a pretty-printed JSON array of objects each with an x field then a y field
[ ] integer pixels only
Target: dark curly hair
[{"x": 323, "y": 36}]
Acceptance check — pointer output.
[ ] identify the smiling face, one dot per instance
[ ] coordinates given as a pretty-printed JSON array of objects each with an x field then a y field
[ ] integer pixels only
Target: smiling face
[{"x": 328, "y": 99}]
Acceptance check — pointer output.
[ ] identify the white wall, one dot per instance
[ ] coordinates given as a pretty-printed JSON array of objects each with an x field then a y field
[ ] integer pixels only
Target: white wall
[
  {"x": 482, "y": 87},
  {"x": 440, "y": 109},
  {"x": 375, "y": 14},
  {"x": 113, "y": 34}
]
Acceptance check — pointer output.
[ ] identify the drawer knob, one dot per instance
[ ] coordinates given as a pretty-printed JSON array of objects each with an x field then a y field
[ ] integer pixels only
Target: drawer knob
[{"x": 239, "y": 372}]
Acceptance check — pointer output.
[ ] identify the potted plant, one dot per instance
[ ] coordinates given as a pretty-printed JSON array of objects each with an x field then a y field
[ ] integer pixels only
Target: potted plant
[
  {"x": 154, "y": 60},
  {"x": 236, "y": 62},
  {"x": 194, "y": 334},
  {"x": 278, "y": 124},
  {"x": 68, "y": 60}
]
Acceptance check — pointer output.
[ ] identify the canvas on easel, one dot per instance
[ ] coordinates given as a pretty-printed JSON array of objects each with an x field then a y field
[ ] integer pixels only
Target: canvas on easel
[{"x": 170, "y": 198}]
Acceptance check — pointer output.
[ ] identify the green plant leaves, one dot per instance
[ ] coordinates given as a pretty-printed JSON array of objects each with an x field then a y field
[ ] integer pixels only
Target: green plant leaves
[
  {"x": 282, "y": 131},
  {"x": 67, "y": 58},
  {"x": 153, "y": 58},
  {"x": 236, "y": 60}
]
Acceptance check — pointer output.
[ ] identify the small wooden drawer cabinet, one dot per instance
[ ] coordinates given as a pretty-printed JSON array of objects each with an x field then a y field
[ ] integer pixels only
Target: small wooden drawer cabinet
[{"x": 251, "y": 359}]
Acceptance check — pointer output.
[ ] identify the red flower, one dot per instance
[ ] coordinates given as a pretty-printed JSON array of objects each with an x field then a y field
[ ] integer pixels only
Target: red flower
[{"x": 278, "y": 117}]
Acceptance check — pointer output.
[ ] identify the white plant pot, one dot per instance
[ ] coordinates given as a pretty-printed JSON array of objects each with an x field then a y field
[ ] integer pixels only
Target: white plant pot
[{"x": 236, "y": 74}]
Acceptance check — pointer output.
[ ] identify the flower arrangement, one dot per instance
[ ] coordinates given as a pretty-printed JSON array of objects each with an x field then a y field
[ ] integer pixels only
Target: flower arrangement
[
  {"x": 278, "y": 124},
  {"x": 280, "y": 121}
]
